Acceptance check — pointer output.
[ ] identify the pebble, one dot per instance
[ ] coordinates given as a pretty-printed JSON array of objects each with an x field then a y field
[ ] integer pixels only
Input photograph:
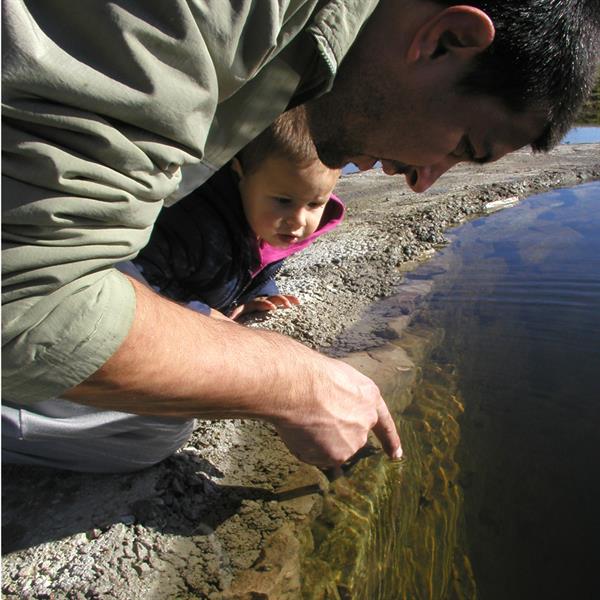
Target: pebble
[
  {"x": 80, "y": 538},
  {"x": 140, "y": 550},
  {"x": 142, "y": 569},
  {"x": 26, "y": 572},
  {"x": 176, "y": 485},
  {"x": 94, "y": 533}
]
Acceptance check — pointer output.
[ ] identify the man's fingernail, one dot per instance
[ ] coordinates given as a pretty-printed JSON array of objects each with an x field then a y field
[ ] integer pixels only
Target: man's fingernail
[{"x": 398, "y": 454}]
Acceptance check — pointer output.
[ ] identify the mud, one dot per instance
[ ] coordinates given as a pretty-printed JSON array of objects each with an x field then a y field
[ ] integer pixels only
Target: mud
[{"x": 230, "y": 515}]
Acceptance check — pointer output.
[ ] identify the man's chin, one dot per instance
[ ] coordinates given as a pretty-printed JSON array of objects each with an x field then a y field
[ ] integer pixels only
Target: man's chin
[
  {"x": 332, "y": 157},
  {"x": 363, "y": 163},
  {"x": 339, "y": 161}
]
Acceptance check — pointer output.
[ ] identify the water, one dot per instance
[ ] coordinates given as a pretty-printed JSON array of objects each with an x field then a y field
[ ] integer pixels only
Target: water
[
  {"x": 582, "y": 135},
  {"x": 498, "y": 497},
  {"x": 518, "y": 300}
]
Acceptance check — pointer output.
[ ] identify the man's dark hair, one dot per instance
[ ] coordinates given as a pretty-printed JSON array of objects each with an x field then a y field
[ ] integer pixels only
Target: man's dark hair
[
  {"x": 288, "y": 137},
  {"x": 544, "y": 57}
]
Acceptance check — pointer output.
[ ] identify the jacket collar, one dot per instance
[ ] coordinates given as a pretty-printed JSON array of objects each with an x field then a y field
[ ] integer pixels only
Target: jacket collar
[{"x": 334, "y": 28}]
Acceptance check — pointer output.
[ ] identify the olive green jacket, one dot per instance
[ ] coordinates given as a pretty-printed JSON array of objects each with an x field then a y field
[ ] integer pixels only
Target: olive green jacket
[{"x": 110, "y": 110}]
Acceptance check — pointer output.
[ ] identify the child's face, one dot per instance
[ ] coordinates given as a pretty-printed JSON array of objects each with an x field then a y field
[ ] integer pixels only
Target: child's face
[{"x": 284, "y": 202}]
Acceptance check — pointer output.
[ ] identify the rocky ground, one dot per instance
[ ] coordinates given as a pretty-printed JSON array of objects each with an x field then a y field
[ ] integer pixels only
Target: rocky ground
[{"x": 224, "y": 517}]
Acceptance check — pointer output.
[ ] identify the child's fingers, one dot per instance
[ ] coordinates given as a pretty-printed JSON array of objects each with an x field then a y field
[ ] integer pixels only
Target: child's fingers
[
  {"x": 238, "y": 311},
  {"x": 284, "y": 300},
  {"x": 256, "y": 305},
  {"x": 263, "y": 304}
]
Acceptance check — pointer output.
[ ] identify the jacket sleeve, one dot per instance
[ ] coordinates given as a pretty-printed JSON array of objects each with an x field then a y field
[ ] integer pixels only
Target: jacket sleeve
[
  {"x": 200, "y": 307},
  {"x": 102, "y": 105},
  {"x": 266, "y": 288},
  {"x": 176, "y": 254},
  {"x": 264, "y": 284}
]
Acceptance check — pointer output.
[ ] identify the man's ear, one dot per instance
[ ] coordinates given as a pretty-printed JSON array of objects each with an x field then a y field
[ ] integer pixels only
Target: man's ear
[
  {"x": 460, "y": 30},
  {"x": 236, "y": 166}
]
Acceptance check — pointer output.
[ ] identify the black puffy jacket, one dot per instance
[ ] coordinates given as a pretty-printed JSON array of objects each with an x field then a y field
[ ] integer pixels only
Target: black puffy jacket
[{"x": 203, "y": 252}]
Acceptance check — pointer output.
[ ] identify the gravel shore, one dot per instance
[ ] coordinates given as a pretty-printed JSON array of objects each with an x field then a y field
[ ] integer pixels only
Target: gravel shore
[{"x": 226, "y": 516}]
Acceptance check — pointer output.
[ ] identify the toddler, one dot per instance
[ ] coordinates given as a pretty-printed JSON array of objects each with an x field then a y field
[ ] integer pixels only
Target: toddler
[{"x": 218, "y": 249}]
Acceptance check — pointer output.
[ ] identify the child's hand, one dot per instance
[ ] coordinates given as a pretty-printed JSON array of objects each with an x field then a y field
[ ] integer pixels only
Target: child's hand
[{"x": 263, "y": 304}]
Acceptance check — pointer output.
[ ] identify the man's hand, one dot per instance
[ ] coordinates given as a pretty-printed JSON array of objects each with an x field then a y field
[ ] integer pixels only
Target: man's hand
[
  {"x": 343, "y": 407},
  {"x": 176, "y": 362},
  {"x": 263, "y": 304}
]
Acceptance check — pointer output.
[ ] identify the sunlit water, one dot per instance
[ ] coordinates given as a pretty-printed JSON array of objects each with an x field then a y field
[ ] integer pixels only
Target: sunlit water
[{"x": 499, "y": 495}]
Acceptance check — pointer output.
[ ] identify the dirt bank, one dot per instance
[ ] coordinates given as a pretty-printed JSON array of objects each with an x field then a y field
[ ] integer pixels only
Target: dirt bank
[{"x": 227, "y": 516}]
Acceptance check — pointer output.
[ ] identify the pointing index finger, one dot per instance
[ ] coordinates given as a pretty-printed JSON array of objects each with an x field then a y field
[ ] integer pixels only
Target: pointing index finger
[{"x": 386, "y": 432}]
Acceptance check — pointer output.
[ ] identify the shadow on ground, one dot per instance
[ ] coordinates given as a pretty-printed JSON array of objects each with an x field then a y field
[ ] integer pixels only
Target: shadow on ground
[{"x": 176, "y": 497}]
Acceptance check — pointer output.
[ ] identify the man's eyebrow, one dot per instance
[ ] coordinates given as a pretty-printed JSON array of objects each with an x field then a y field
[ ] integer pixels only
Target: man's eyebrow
[{"x": 470, "y": 152}]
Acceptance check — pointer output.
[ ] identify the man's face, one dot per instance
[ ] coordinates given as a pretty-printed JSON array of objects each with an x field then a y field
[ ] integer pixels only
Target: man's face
[{"x": 413, "y": 118}]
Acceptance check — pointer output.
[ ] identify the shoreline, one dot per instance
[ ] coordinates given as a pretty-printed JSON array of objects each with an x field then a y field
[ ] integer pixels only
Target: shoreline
[{"x": 229, "y": 514}]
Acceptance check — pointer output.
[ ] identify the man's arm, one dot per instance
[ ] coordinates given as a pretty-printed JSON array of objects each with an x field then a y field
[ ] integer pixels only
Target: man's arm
[
  {"x": 94, "y": 140},
  {"x": 175, "y": 362}
]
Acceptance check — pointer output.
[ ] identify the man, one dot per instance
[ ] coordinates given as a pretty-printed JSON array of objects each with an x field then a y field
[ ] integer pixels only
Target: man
[{"x": 111, "y": 109}]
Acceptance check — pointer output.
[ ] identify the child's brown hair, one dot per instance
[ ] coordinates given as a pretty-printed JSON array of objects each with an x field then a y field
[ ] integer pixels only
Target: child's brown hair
[{"x": 287, "y": 137}]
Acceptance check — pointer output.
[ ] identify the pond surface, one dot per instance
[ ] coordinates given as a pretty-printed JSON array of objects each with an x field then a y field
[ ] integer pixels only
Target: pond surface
[
  {"x": 498, "y": 496},
  {"x": 587, "y": 134},
  {"x": 517, "y": 295}
]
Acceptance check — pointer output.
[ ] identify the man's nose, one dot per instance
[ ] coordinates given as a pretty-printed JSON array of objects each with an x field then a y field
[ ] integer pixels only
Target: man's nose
[{"x": 422, "y": 178}]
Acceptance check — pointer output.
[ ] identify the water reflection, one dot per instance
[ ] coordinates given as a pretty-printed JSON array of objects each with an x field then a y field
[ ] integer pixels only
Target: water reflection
[
  {"x": 497, "y": 498},
  {"x": 520, "y": 307}
]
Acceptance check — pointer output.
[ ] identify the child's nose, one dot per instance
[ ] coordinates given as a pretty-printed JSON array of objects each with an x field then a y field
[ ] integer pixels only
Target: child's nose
[{"x": 296, "y": 219}]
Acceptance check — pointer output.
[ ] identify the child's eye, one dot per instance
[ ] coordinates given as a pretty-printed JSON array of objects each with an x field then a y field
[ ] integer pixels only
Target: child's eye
[
  {"x": 316, "y": 205},
  {"x": 283, "y": 201}
]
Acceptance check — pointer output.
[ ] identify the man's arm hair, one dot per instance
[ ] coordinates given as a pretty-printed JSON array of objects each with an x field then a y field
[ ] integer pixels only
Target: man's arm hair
[{"x": 175, "y": 362}]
